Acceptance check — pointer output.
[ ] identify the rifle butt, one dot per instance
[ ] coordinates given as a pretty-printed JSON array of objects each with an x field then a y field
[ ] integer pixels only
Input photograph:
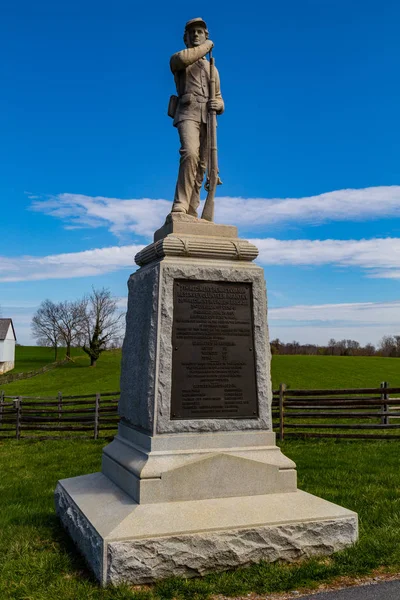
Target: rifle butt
[{"x": 208, "y": 210}]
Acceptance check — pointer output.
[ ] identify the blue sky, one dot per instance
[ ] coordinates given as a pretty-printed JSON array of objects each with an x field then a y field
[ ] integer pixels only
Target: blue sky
[{"x": 308, "y": 151}]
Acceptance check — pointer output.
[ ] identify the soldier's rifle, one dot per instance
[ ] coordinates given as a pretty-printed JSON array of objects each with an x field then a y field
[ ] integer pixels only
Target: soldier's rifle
[{"x": 212, "y": 164}]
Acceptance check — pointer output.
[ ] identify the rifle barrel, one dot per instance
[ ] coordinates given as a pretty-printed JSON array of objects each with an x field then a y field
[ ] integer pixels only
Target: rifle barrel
[{"x": 212, "y": 166}]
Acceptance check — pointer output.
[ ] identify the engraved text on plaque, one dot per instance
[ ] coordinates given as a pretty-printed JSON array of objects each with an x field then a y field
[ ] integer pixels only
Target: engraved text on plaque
[{"x": 213, "y": 365}]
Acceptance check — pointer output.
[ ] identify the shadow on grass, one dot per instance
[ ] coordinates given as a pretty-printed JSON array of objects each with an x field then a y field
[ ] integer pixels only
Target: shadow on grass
[
  {"x": 74, "y": 365},
  {"x": 67, "y": 546}
]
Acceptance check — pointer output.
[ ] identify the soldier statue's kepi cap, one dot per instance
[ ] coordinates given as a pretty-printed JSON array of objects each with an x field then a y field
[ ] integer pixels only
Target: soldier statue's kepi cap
[{"x": 197, "y": 21}]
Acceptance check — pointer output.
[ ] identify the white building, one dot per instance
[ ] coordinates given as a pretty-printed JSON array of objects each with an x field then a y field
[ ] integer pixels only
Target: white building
[{"x": 7, "y": 345}]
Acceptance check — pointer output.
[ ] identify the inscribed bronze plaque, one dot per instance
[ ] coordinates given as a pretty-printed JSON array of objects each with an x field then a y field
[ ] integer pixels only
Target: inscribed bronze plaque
[{"x": 213, "y": 364}]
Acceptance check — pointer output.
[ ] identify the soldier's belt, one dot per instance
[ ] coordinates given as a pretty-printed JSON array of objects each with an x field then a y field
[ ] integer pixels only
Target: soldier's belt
[{"x": 186, "y": 99}]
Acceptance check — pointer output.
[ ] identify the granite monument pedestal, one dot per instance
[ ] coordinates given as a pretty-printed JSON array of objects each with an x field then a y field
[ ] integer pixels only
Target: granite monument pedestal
[{"x": 194, "y": 482}]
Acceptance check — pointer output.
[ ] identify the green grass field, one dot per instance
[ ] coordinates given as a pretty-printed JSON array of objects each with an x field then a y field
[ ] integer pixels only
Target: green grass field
[
  {"x": 296, "y": 371},
  {"x": 72, "y": 377},
  {"x": 39, "y": 562},
  {"x": 306, "y": 372},
  {"x": 30, "y": 358}
]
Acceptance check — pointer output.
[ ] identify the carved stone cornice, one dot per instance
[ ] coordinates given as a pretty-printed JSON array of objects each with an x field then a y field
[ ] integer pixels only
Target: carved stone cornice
[{"x": 213, "y": 248}]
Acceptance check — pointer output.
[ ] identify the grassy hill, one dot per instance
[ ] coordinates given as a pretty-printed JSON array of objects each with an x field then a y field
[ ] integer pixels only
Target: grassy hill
[
  {"x": 30, "y": 358},
  {"x": 295, "y": 371},
  {"x": 75, "y": 377}
]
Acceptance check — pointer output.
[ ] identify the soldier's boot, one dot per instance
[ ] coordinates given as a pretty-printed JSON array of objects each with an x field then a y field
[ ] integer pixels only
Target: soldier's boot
[
  {"x": 192, "y": 212},
  {"x": 178, "y": 208}
]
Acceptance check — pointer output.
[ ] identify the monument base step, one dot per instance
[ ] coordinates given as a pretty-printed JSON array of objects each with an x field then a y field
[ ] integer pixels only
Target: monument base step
[{"x": 123, "y": 541}]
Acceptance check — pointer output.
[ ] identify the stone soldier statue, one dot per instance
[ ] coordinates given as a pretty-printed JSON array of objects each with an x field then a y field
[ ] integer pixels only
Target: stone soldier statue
[{"x": 189, "y": 110}]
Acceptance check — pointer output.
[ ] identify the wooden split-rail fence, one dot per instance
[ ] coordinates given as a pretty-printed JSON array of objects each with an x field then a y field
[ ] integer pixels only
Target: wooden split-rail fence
[
  {"x": 56, "y": 417},
  {"x": 367, "y": 413}
]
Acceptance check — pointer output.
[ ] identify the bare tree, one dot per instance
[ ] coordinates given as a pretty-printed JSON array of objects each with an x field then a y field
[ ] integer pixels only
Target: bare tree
[
  {"x": 369, "y": 350},
  {"x": 397, "y": 342},
  {"x": 348, "y": 347},
  {"x": 71, "y": 322},
  {"x": 45, "y": 326},
  {"x": 352, "y": 348},
  {"x": 388, "y": 346},
  {"x": 102, "y": 323}
]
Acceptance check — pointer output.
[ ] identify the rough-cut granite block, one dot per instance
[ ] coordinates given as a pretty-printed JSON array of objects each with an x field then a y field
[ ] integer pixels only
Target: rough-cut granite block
[
  {"x": 123, "y": 541},
  {"x": 84, "y": 535},
  {"x": 146, "y": 374},
  {"x": 146, "y": 561},
  {"x": 139, "y": 351}
]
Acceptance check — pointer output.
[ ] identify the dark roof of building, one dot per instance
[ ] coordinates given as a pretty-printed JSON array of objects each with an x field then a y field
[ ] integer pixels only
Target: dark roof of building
[{"x": 4, "y": 325}]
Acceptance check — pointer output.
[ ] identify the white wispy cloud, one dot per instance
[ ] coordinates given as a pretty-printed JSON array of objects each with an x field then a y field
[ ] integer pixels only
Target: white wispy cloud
[
  {"x": 381, "y": 274},
  {"x": 356, "y": 313},
  {"x": 143, "y": 216},
  {"x": 379, "y": 256},
  {"x": 68, "y": 265},
  {"x": 316, "y": 324},
  {"x": 376, "y": 257}
]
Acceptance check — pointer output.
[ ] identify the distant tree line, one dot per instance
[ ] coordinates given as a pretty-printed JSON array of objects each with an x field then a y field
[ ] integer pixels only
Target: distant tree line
[
  {"x": 92, "y": 323},
  {"x": 388, "y": 346}
]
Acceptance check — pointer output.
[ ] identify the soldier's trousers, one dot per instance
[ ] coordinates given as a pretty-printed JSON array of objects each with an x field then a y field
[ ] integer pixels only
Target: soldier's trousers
[{"x": 192, "y": 166}]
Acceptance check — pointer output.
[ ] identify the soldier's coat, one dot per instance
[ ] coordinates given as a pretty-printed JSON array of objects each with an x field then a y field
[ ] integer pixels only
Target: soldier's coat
[{"x": 192, "y": 80}]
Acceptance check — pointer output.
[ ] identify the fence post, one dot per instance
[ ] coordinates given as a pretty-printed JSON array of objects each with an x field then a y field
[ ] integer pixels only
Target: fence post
[
  {"x": 17, "y": 406},
  {"x": 385, "y": 407},
  {"x": 282, "y": 389},
  {"x": 2, "y": 393},
  {"x": 59, "y": 406},
  {"x": 96, "y": 416}
]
